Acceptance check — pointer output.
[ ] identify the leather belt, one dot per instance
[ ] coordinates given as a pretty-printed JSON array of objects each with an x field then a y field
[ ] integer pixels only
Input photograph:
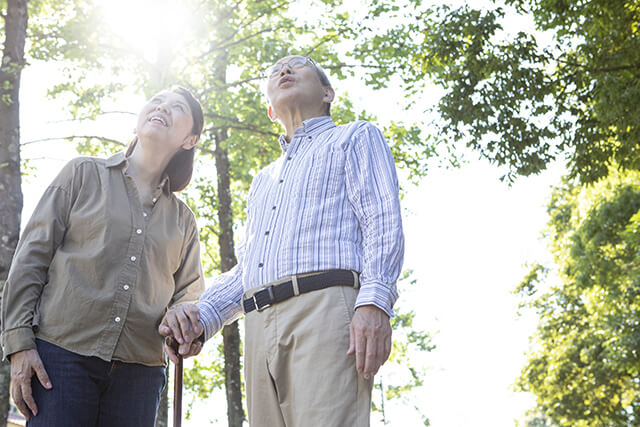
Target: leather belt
[{"x": 282, "y": 291}]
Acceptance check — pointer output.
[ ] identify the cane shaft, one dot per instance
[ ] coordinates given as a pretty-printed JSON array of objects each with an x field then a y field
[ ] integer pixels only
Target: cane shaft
[{"x": 177, "y": 395}]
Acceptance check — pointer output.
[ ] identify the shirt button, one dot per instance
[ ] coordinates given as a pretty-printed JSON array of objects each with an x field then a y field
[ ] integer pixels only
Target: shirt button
[
  {"x": 139, "y": 231},
  {"x": 289, "y": 158},
  {"x": 155, "y": 199},
  {"x": 266, "y": 233},
  {"x": 273, "y": 208},
  {"x": 309, "y": 138},
  {"x": 125, "y": 287},
  {"x": 281, "y": 181},
  {"x": 133, "y": 258},
  {"x": 260, "y": 265},
  {"x": 117, "y": 319},
  {"x": 144, "y": 214}
]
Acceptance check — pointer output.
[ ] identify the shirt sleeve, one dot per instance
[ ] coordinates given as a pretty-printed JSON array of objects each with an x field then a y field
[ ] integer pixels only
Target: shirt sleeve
[
  {"x": 189, "y": 279},
  {"x": 30, "y": 265},
  {"x": 221, "y": 303},
  {"x": 373, "y": 191}
]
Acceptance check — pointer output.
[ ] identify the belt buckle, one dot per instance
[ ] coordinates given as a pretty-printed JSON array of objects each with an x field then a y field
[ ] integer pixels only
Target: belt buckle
[{"x": 269, "y": 304}]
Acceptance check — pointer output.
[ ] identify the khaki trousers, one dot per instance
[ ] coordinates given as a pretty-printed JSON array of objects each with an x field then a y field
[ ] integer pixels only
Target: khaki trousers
[{"x": 297, "y": 370}]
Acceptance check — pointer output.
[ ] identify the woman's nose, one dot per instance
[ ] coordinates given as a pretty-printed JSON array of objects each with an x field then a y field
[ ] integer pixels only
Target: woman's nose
[{"x": 162, "y": 107}]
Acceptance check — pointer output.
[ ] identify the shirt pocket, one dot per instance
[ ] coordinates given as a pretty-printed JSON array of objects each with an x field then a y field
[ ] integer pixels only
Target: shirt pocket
[{"x": 326, "y": 176}]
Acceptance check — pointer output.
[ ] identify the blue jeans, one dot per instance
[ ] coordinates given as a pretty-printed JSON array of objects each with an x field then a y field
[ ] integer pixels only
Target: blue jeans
[{"x": 89, "y": 392}]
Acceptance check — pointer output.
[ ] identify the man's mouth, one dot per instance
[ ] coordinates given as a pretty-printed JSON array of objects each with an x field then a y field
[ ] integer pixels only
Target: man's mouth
[
  {"x": 285, "y": 79},
  {"x": 159, "y": 120}
]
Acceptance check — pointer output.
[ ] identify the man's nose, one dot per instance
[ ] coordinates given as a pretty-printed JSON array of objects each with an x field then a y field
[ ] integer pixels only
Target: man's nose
[{"x": 286, "y": 70}]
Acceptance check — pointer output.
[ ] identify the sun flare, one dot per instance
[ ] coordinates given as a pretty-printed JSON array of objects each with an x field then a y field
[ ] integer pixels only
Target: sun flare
[{"x": 147, "y": 27}]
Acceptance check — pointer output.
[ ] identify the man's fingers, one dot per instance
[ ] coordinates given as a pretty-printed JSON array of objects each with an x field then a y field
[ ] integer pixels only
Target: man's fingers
[
  {"x": 175, "y": 327},
  {"x": 361, "y": 347},
  {"x": 352, "y": 340},
  {"x": 42, "y": 375},
  {"x": 185, "y": 326},
  {"x": 371, "y": 358},
  {"x": 387, "y": 348},
  {"x": 380, "y": 357},
  {"x": 195, "y": 349},
  {"x": 28, "y": 398},
  {"x": 193, "y": 314}
]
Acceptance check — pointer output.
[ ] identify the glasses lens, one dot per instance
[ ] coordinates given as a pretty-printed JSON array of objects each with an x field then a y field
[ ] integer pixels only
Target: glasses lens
[
  {"x": 298, "y": 62},
  {"x": 274, "y": 69}
]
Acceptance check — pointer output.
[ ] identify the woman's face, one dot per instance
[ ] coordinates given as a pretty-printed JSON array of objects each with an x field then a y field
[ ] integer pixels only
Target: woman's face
[{"x": 166, "y": 119}]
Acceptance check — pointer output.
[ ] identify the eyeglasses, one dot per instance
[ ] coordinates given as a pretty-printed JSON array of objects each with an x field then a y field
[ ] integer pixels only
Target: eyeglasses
[{"x": 295, "y": 63}]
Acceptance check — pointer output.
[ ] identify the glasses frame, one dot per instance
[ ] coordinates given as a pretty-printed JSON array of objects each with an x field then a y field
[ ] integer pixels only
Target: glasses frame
[{"x": 269, "y": 73}]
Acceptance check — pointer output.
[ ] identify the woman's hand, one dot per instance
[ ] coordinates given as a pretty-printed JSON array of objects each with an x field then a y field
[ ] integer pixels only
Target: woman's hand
[
  {"x": 182, "y": 324},
  {"x": 23, "y": 365}
]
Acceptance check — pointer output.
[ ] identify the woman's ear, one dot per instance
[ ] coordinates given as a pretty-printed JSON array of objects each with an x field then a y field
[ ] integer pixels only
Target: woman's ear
[{"x": 190, "y": 142}]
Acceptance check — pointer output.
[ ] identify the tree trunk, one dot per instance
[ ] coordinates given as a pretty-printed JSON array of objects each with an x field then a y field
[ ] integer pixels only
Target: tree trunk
[
  {"x": 15, "y": 25},
  {"x": 230, "y": 333}
]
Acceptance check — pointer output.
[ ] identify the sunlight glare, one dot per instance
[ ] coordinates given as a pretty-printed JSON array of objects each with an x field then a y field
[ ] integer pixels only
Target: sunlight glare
[{"x": 147, "y": 26}]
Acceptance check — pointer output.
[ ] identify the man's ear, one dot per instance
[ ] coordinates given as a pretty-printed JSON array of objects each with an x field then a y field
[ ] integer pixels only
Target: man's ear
[
  {"x": 329, "y": 95},
  {"x": 272, "y": 114},
  {"x": 190, "y": 142}
]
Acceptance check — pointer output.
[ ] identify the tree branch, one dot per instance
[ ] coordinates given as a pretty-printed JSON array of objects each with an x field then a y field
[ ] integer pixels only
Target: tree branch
[
  {"x": 599, "y": 70},
  {"x": 101, "y": 138},
  {"x": 227, "y": 86},
  {"x": 104, "y": 113},
  {"x": 238, "y": 124},
  {"x": 71, "y": 137}
]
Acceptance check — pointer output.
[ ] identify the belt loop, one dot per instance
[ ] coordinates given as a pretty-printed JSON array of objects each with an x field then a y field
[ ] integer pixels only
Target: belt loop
[
  {"x": 294, "y": 281},
  {"x": 356, "y": 280}
]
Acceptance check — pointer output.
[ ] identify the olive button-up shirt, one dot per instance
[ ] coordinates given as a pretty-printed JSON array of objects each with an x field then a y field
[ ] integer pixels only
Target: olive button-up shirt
[{"x": 96, "y": 269}]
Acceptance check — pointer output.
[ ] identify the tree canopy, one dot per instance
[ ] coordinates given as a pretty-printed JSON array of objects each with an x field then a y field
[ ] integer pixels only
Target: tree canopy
[{"x": 559, "y": 80}]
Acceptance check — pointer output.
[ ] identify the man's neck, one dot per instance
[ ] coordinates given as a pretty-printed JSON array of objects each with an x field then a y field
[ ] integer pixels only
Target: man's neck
[{"x": 292, "y": 118}]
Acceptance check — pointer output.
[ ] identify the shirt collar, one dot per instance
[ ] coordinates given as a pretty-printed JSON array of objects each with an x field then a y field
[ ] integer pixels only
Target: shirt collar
[
  {"x": 311, "y": 127},
  {"x": 121, "y": 160}
]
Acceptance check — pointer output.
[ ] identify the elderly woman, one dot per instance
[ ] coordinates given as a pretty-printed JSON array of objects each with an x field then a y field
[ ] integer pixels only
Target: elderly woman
[{"x": 108, "y": 250}]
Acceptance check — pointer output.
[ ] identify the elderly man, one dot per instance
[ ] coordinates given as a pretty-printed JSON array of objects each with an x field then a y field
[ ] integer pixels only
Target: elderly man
[{"x": 317, "y": 270}]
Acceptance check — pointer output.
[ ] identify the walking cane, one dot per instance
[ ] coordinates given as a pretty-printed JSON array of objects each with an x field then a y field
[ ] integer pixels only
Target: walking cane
[{"x": 177, "y": 386}]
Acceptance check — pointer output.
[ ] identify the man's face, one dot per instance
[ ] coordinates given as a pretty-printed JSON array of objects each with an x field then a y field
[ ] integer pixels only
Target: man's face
[{"x": 293, "y": 82}]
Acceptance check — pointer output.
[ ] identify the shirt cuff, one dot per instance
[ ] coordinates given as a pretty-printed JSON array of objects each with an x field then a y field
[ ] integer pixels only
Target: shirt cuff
[
  {"x": 210, "y": 319},
  {"x": 18, "y": 339},
  {"x": 378, "y": 294}
]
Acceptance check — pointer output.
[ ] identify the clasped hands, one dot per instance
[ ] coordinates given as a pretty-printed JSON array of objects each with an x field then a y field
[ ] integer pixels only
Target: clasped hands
[
  {"x": 369, "y": 335},
  {"x": 181, "y": 324}
]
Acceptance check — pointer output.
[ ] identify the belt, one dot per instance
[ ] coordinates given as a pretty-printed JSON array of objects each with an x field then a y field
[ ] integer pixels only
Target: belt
[{"x": 277, "y": 293}]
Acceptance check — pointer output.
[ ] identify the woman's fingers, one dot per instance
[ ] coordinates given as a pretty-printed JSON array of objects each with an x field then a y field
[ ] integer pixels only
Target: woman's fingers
[
  {"x": 16, "y": 392},
  {"x": 27, "y": 396}
]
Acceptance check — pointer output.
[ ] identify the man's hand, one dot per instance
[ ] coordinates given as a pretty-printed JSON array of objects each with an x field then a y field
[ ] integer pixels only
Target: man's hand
[
  {"x": 182, "y": 324},
  {"x": 370, "y": 339},
  {"x": 23, "y": 365}
]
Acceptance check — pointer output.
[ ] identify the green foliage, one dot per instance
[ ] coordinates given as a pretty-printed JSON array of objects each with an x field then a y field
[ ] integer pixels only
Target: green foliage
[
  {"x": 518, "y": 99},
  {"x": 585, "y": 361}
]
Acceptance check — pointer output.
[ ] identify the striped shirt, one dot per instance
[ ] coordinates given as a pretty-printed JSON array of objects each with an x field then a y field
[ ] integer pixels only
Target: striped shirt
[{"x": 330, "y": 201}]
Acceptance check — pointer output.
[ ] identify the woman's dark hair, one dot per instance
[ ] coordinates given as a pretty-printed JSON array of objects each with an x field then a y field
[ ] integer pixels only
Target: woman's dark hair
[{"x": 180, "y": 167}]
